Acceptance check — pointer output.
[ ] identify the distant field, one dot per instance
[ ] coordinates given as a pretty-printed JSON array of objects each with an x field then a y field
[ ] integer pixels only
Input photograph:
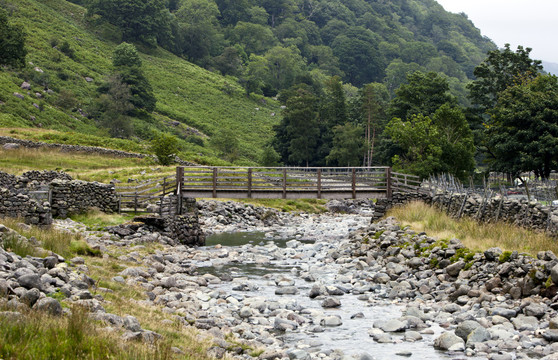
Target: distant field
[{"x": 81, "y": 166}]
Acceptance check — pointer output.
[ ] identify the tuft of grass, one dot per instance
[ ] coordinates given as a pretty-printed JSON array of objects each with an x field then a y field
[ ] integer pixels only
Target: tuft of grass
[
  {"x": 19, "y": 246},
  {"x": 473, "y": 234},
  {"x": 98, "y": 220},
  {"x": 81, "y": 248},
  {"x": 38, "y": 336},
  {"x": 123, "y": 300},
  {"x": 49, "y": 238}
]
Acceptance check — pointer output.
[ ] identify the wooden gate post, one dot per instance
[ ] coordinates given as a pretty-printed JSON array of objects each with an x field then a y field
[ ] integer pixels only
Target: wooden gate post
[
  {"x": 284, "y": 183},
  {"x": 214, "y": 182},
  {"x": 388, "y": 183},
  {"x": 249, "y": 183},
  {"x": 319, "y": 183},
  {"x": 353, "y": 183},
  {"x": 179, "y": 184},
  {"x": 179, "y": 179}
]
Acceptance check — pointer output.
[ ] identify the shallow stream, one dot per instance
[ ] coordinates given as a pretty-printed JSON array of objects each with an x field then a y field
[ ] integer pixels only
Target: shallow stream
[{"x": 352, "y": 336}]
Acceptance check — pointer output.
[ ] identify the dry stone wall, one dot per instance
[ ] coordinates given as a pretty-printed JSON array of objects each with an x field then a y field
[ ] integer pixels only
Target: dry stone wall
[
  {"x": 76, "y": 196},
  {"x": 20, "y": 205},
  {"x": 180, "y": 227},
  {"x": 70, "y": 148},
  {"x": 44, "y": 177},
  {"x": 520, "y": 212}
]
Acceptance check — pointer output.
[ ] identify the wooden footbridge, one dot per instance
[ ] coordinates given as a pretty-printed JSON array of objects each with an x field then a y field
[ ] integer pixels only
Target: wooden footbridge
[
  {"x": 292, "y": 182},
  {"x": 269, "y": 183}
]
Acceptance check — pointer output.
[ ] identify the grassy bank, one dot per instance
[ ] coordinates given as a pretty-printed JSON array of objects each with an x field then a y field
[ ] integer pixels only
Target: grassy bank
[{"x": 474, "y": 235}]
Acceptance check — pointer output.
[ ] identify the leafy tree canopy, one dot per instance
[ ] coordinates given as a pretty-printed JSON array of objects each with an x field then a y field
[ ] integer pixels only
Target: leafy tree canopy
[
  {"x": 139, "y": 20},
  {"x": 424, "y": 94},
  {"x": 500, "y": 70},
  {"x": 523, "y": 135},
  {"x": 12, "y": 43}
]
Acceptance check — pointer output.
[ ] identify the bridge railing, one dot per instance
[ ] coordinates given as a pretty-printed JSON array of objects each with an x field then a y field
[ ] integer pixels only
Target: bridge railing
[{"x": 292, "y": 182}]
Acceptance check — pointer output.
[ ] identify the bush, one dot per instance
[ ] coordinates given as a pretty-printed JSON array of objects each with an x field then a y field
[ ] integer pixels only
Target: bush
[{"x": 165, "y": 146}]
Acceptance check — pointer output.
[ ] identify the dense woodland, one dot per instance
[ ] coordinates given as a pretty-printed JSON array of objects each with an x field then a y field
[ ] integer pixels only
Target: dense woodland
[{"x": 360, "y": 82}]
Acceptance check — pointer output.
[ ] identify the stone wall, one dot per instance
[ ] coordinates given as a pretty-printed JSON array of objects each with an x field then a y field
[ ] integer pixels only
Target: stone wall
[
  {"x": 76, "y": 196},
  {"x": 82, "y": 149},
  {"x": 7, "y": 180},
  {"x": 14, "y": 204},
  {"x": 527, "y": 214},
  {"x": 183, "y": 228},
  {"x": 44, "y": 177},
  {"x": 70, "y": 148}
]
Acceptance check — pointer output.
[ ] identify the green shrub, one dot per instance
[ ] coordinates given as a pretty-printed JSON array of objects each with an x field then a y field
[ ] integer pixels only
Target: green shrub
[{"x": 165, "y": 146}]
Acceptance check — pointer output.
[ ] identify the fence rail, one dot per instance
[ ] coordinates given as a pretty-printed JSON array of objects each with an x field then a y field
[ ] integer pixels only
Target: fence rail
[
  {"x": 136, "y": 198},
  {"x": 268, "y": 182},
  {"x": 293, "y": 182}
]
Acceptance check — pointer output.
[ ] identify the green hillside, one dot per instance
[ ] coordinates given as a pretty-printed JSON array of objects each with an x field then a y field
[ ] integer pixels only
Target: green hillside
[
  {"x": 225, "y": 62},
  {"x": 186, "y": 93}
]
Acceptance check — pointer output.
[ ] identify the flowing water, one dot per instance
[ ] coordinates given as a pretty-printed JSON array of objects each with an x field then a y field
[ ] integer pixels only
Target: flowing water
[{"x": 352, "y": 336}]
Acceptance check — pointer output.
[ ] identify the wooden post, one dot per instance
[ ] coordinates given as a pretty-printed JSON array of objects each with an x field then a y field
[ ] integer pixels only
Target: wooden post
[
  {"x": 179, "y": 185},
  {"x": 319, "y": 183},
  {"x": 249, "y": 183},
  {"x": 179, "y": 179},
  {"x": 164, "y": 186},
  {"x": 388, "y": 183},
  {"x": 353, "y": 182},
  {"x": 136, "y": 200},
  {"x": 284, "y": 183},
  {"x": 214, "y": 182}
]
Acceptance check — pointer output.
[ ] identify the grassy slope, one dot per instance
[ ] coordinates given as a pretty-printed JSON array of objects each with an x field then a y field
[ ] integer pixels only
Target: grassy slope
[
  {"x": 185, "y": 92},
  {"x": 474, "y": 235}
]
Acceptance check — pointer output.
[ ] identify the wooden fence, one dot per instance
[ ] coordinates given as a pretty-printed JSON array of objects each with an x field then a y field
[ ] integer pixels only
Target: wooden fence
[
  {"x": 136, "y": 198},
  {"x": 292, "y": 182},
  {"x": 267, "y": 183}
]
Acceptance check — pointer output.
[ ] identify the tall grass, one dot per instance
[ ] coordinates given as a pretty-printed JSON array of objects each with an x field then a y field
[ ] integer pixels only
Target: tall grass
[
  {"x": 20, "y": 160},
  {"x": 475, "y": 235},
  {"x": 39, "y": 336},
  {"x": 59, "y": 242}
]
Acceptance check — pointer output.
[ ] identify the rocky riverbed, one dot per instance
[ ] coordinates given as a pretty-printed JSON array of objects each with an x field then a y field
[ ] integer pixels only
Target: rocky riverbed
[{"x": 328, "y": 286}]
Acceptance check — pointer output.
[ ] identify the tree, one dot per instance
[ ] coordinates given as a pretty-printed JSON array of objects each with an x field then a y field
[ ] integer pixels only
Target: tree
[
  {"x": 126, "y": 55},
  {"x": 165, "y": 147},
  {"x": 127, "y": 64},
  {"x": 139, "y": 20},
  {"x": 201, "y": 33},
  {"x": 361, "y": 61},
  {"x": 499, "y": 71},
  {"x": 297, "y": 135},
  {"x": 523, "y": 135},
  {"x": 112, "y": 107},
  {"x": 255, "y": 38},
  {"x": 270, "y": 157},
  {"x": 373, "y": 101},
  {"x": 333, "y": 112},
  {"x": 302, "y": 130},
  {"x": 420, "y": 141},
  {"x": 284, "y": 65},
  {"x": 348, "y": 145},
  {"x": 424, "y": 94},
  {"x": 441, "y": 143},
  {"x": 12, "y": 43},
  {"x": 397, "y": 72},
  {"x": 458, "y": 148},
  {"x": 227, "y": 144}
]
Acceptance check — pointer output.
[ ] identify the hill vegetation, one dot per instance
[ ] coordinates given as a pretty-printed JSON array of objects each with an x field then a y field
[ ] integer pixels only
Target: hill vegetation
[
  {"x": 193, "y": 104},
  {"x": 312, "y": 82}
]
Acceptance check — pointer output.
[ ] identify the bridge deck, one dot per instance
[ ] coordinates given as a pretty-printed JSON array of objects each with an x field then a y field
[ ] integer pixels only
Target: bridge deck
[{"x": 290, "y": 183}]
